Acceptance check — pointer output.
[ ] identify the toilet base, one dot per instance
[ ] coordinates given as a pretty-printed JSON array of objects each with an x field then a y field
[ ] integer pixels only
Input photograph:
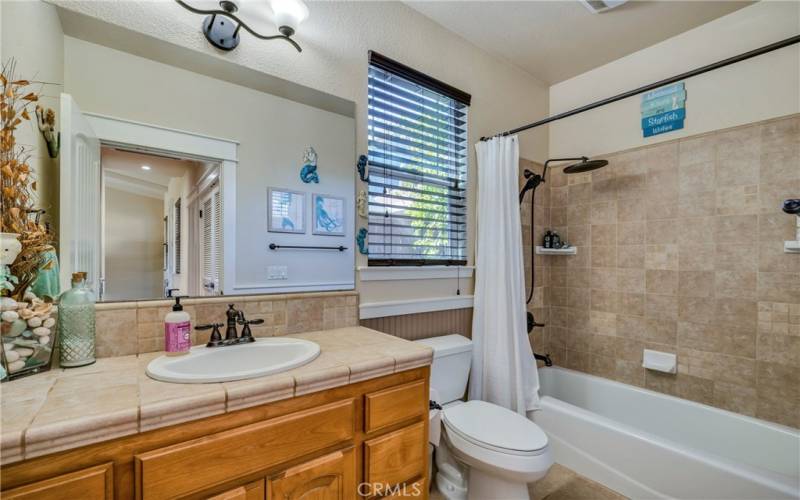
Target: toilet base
[{"x": 484, "y": 486}]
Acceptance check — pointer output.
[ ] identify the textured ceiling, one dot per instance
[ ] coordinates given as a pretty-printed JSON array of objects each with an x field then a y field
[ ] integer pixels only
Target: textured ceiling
[{"x": 556, "y": 40}]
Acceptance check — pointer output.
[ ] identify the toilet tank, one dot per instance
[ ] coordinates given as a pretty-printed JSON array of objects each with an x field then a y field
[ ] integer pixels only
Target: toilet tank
[{"x": 452, "y": 355}]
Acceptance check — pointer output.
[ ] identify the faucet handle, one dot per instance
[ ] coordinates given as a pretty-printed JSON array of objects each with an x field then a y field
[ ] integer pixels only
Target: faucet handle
[
  {"x": 216, "y": 337},
  {"x": 247, "y": 335}
]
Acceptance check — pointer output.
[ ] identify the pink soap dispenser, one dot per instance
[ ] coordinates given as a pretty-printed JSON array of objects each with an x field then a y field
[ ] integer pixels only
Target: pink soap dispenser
[{"x": 177, "y": 330}]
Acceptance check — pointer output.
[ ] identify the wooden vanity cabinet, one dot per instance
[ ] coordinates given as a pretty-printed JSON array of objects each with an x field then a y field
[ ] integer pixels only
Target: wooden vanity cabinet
[{"x": 320, "y": 446}]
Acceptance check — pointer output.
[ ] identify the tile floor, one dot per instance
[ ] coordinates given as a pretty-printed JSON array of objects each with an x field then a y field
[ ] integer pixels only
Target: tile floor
[{"x": 564, "y": 484}]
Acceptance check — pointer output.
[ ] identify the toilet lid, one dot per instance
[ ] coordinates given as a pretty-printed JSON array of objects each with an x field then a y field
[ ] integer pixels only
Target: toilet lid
[{"x": 493, "y": 426}]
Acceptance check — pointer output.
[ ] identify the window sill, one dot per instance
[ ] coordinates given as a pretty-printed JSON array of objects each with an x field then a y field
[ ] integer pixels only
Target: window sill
[{"x": 392, "y": 273}]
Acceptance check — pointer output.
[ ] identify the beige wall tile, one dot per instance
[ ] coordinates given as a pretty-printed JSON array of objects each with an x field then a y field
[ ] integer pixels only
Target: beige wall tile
[{"x": 697, "y": 243}]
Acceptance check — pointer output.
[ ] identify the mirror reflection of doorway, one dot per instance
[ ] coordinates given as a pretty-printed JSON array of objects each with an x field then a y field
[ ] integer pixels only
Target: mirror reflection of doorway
[{"x": 161, "y": 220}]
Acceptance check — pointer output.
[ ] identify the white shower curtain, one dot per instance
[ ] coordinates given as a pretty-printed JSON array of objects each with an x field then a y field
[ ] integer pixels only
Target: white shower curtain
[{"x": 503, "y": 369}]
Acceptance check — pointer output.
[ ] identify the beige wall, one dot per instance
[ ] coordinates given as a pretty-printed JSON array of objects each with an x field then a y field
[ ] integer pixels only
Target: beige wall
[
  {"x": 757, "y": 89},
  {"x": 133, "y": 252},
  {"x": 680, "y": 249},
  {"x": 31, "y": 34}
]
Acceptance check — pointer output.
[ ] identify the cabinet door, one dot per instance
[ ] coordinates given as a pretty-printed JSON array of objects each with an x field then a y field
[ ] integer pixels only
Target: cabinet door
[
  {"x": 95, "y": 483},
  {"x": 332, "y": 477},
  {"x": 251, "y": 491}
]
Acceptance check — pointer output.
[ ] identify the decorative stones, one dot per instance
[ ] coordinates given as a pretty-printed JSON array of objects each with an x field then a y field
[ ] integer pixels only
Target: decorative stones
[
  {"x": 27, "y": 335},
  {"x": 16, "y": 327},
  {"x": 41, "y": 331},
  {"x": 16, "y": 366},
  {"x": 10, "y": 316},
  {"x": 8, "y": 304},
  {"x": 24, "y": 352}
]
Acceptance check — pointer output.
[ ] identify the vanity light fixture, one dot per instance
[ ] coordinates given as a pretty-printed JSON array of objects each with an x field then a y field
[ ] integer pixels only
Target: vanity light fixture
[{"x": 221, "y": 26}]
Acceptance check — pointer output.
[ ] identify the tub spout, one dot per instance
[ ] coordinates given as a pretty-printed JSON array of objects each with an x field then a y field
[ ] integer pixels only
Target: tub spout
[{"x": 545, "y": 358}]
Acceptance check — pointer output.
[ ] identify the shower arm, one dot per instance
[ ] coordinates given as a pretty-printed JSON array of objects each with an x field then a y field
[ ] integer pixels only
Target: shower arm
[{"x": 547, "y": 163}]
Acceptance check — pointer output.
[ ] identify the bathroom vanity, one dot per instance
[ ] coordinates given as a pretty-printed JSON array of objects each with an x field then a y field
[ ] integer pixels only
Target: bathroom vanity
[{"x": 350, "y": 424}]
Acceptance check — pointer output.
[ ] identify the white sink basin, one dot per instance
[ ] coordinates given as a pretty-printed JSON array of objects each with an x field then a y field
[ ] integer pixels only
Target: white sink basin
[{"x": 224, "y": 364}]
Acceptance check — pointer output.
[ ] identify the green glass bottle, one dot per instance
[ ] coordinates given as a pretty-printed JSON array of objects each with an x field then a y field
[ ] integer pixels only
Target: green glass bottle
[{"x": 76, "y": 323}]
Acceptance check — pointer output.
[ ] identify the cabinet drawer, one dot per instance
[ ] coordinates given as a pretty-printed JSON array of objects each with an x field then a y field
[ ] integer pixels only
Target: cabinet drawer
[
  {"x": 204, "y": 462},
  {"x": 396, "y": 457},
  {"x": 93, "y": 483},
  {"x": 395, "y": 404}
]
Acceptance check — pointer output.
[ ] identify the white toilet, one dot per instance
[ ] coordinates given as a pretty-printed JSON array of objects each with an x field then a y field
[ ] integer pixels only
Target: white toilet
[{"x": 487, "y": 452}]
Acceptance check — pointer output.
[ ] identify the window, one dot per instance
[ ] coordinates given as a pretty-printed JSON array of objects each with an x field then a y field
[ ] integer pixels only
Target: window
[{"x": 417, "y": 132}]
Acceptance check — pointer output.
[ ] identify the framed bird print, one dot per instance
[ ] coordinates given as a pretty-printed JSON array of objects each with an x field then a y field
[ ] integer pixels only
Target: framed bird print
[
  {"x": 286, "y": 211},
  {"x": 328, "y": 217}
]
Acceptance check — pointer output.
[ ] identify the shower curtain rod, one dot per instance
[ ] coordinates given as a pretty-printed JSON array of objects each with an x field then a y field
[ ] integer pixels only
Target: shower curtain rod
[{"x": 699, "y": 71}]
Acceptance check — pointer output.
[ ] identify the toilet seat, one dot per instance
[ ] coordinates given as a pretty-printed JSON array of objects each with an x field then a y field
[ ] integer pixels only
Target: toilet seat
[{"x": 495, "y": 428}]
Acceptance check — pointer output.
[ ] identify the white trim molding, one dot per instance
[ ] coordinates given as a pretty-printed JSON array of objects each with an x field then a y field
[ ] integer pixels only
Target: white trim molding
[
  {"x": 278, "y": 287},
  {"x": 370, "y": 310},
  {"x": 391, "y": 273},
  {"x": 120, "y": 132}
]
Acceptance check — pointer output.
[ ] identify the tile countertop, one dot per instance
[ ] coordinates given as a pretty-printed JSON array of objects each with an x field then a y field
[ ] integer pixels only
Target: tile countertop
[{"x": 68, "y": 408}]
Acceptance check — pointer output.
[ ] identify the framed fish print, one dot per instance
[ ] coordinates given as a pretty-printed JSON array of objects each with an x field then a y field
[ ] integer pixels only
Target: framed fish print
[
  {"x": 328, "y": 217},
  {"x": 286, "y": 211}
]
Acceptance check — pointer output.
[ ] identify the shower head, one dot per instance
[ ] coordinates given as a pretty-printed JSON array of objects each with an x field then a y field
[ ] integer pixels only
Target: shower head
[
  {"x": 533, "y": 181},
  {"x": 585, "y": 165},
  {"x": 792, "y": 207}
]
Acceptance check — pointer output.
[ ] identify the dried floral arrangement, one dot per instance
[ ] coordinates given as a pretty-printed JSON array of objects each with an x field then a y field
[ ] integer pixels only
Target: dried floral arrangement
[{"x": 18, "y": 186}]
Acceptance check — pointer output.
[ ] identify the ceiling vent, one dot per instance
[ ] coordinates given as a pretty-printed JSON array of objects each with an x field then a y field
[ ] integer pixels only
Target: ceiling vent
[{"x": 598, "y": 6}]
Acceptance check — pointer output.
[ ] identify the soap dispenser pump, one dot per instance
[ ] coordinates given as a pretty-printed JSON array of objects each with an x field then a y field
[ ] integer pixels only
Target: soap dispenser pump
[{"x": 177, "y": 330}]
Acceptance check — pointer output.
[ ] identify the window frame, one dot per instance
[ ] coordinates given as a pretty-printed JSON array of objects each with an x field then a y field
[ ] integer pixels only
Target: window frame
[{"x": 436, "y": 86}]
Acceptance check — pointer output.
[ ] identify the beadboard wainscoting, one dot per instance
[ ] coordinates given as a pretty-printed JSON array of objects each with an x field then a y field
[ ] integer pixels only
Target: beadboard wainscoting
[{"x": 423, "y": 325}]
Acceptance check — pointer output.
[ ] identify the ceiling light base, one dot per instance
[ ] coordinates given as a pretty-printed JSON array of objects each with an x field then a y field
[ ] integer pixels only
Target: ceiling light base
[{"x": 221, "y": 32}]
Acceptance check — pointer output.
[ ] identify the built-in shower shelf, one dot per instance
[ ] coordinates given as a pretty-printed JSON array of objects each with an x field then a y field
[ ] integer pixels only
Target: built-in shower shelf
[{"x": 556, "y": 251}]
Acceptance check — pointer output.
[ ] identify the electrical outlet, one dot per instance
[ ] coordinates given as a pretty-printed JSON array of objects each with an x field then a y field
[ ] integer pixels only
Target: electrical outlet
[{"x": 277, "y": 272}]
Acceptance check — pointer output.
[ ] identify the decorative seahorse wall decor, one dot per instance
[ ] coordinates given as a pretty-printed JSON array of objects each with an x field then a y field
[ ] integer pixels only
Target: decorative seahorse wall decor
[
  {"x": 309, "y": 171},
  {"x": 46, "y": 121},
  {"x": 361, "y": 239},
  {"x": 362, "y": 204},
  {"x": 362, "y": 168}
]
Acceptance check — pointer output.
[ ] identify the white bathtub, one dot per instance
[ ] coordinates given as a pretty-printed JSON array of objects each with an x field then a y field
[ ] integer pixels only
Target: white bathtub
[{"x": 644, "y": 444}]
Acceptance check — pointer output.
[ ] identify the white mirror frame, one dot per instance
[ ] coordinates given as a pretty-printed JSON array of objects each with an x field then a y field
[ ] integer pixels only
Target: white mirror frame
[{"x": 153, "y": 138}]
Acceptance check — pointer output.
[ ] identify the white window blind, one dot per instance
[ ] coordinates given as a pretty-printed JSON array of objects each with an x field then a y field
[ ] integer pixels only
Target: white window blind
[{"x": 417, "y": 133}]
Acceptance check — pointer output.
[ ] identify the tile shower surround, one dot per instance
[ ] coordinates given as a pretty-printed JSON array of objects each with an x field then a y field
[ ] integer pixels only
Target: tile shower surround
[
  {"x": 125, "y": 328},
  {"x": 680, "y": 249}
]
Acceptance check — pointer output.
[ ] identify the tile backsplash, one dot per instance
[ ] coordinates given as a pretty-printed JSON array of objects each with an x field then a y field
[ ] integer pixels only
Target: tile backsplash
[
  {"x": 125, "y": 328},
  {"x": 680, "y": 249}
]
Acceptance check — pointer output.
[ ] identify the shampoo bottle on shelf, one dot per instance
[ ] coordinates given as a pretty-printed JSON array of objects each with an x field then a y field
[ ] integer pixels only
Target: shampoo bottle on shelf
[
  {"x": 547, "y": 241},
  {"x": 177, "y": 330}
]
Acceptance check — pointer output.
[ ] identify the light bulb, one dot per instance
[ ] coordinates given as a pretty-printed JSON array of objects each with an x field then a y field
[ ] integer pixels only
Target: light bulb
[{"x": 288, "y": 15}]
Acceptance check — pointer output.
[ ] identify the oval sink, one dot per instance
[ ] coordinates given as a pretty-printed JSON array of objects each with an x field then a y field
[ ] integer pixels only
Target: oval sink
[{"x": 204, "y": 364}]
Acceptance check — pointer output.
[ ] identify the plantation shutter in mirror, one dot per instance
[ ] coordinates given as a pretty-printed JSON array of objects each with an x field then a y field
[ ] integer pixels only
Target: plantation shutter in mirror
[{"x": 417, "y": 133}]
